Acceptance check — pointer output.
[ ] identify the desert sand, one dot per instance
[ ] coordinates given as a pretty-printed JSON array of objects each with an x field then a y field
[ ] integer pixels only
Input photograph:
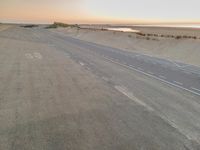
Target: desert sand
[{"x": 186, "y": 50}]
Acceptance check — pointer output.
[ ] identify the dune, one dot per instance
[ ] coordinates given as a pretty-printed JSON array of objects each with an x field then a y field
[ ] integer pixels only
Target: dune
[{"x": 186, "y": 50}]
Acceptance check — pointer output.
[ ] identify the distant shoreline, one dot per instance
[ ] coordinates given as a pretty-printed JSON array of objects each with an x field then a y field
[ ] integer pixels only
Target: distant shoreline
[
  {"x": 169, "y": 26},
  {"x": 192, "y": 26}
]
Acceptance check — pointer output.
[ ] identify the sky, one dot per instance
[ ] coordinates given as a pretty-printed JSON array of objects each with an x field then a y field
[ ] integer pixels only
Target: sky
[{"x": 100, "y": 11}]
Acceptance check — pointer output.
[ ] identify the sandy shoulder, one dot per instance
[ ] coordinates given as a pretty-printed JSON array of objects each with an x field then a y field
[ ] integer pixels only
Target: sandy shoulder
[{"x": 181, "y": 50}]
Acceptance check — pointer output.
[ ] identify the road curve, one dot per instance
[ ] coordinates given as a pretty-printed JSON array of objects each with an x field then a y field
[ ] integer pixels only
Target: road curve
[{"x": 57, "y": 92}]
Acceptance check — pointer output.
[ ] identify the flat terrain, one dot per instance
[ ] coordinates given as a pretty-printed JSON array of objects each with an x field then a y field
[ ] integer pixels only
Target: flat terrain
[
  {"x": 61, "y": 93},
  {"x": 4, "y": 27}
]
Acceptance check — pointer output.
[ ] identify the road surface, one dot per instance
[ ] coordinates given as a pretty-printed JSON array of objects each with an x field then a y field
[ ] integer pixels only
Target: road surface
[{"x": 57, "y": 92}]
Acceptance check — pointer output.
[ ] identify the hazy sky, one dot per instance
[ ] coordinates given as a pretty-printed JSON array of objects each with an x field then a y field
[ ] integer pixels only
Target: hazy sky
[{"x": 99, "y": 11}]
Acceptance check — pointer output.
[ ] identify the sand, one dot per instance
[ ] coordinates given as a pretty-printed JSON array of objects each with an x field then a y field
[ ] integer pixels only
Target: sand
[
  {"x": 4, "y": 27},
  {"x": 181, "y": 50}
]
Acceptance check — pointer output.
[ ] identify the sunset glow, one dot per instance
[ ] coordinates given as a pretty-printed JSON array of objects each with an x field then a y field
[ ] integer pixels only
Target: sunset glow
[{"x": 96, "y": 11}]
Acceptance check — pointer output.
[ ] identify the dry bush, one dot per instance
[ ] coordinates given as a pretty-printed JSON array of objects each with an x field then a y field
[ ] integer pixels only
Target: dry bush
[{"x": 60, "y": 24}]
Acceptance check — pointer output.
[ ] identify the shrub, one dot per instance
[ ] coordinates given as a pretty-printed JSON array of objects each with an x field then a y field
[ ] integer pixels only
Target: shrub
[
  {"x": 141, "y": 34},
  {"x": 178, "y": 37},
  {"x": 63, "y": 25},
  {"x": 29, "y": 26},
  {"x": 149, "y": 34},
  {"x": 148, "y": 38},
  {"x": 194, "y": 37}
]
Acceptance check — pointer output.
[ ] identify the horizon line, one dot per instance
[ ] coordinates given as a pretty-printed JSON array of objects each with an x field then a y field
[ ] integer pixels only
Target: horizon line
[{"x": 117, "y": 22}]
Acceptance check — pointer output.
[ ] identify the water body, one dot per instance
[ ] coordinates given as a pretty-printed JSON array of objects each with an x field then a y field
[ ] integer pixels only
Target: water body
[{"x": 125, "y": 29}]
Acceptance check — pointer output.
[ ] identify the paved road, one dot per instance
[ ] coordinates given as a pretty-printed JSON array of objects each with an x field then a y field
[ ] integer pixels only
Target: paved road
[
  {"x": 181, "y": 75},
  {"x": 63, "y": 93}
]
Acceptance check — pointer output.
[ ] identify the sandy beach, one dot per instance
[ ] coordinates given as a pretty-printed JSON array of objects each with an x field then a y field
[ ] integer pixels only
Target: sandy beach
[{"x": 176, "y": 44}]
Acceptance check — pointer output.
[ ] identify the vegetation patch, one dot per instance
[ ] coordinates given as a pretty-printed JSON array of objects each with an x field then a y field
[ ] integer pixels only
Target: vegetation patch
[
  {"x": 166, "y": 36},
  {"x": 141, "y": 34},
  {"x": 29, "y": 26},
  {"x": 63, "y": 25}
]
